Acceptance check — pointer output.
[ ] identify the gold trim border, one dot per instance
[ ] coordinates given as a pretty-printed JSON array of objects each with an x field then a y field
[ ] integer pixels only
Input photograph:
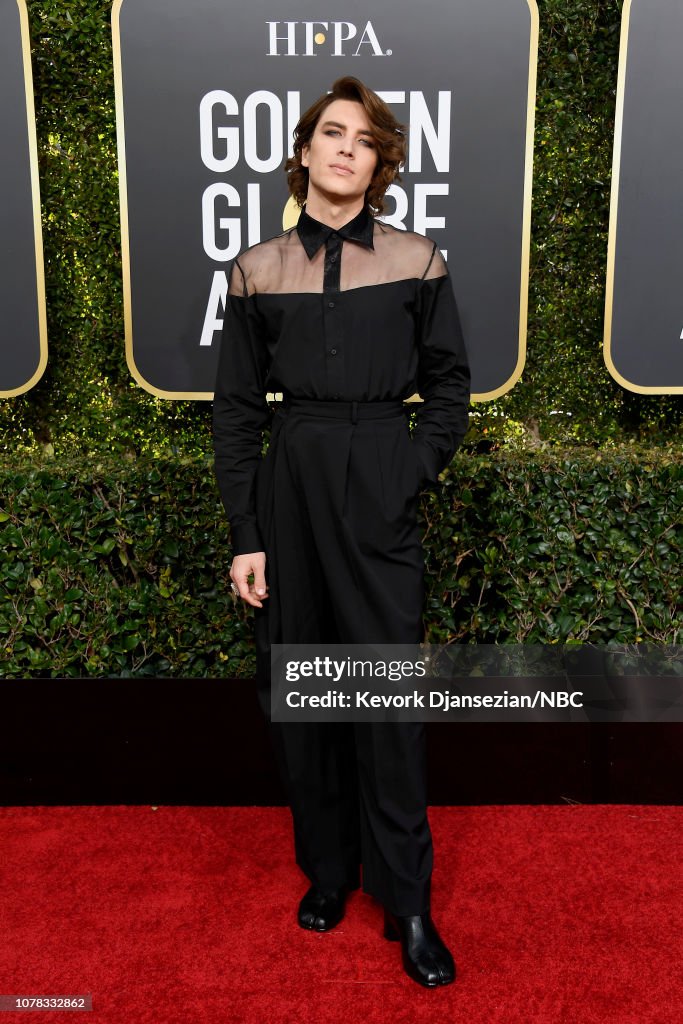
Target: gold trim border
[
  {"x": 526, "y": 217},
  {"x": 123, "y": 209},
  {"x": 613, "y": 214},
  {"x": 35, "y": 203}
]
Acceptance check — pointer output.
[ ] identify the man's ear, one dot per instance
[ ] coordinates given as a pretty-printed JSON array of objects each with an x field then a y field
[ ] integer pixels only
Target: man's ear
[{"x": 304, "y": 154}]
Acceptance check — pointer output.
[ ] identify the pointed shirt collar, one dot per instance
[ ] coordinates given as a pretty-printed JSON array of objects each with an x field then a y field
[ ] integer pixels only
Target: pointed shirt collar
[{"x": 313, "y": 234}]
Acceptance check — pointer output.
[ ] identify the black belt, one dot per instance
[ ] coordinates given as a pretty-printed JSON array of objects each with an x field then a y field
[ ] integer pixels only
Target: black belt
[{"x": 347, "y": 410}]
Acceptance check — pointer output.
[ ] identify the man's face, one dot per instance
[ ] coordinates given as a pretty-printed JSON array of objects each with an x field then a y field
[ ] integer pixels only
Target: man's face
[{"x": 342, "y": 156}]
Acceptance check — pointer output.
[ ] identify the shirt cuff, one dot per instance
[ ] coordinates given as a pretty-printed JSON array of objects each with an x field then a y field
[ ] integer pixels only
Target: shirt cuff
[
  {"x": 246, "y": 539},
  {"x": 429, "y": 475}
]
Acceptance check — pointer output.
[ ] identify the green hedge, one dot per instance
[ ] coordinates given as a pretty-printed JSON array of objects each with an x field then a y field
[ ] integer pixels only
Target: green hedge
[{"x": 122, "y": 569}]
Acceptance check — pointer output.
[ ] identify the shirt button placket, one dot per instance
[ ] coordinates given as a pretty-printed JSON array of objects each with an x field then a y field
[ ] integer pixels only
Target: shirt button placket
[{"x": 332, "y": 316}]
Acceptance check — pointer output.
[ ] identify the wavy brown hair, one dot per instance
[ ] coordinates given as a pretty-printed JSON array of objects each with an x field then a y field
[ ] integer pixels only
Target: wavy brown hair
[{"x": 390, "y": 138}]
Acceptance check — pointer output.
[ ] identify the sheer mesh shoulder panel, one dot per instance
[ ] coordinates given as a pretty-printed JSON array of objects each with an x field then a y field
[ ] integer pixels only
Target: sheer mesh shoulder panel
[
  {"x": 237, "y": 283},
  {"x": 437, "y": 266},
  {"x": 262, "y": 267},
  {"x": 397, "y": 256},
  {"x": 281, "y": 265}
]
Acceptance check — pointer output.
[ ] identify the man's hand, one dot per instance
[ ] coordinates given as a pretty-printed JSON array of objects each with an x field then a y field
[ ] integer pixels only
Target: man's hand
[{"x": 240, "y": 570}]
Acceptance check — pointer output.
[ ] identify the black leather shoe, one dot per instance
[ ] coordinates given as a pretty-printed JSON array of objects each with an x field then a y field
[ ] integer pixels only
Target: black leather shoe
[
  {"x": 425, "y": 957},
  {"x": 319, "y": 911}
]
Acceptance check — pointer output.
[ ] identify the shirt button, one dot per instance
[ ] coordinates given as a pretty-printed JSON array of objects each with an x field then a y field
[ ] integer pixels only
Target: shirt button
[
  {"x": 331, "y": 305},
  {"x": 333, "y": 351},
  {"x": 332, "y": 259}
]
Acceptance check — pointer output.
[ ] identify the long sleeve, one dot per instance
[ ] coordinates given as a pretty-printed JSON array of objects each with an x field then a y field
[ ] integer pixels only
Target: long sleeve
[
  {"x": 443, "y": 372},
  {"x": 240, "y": 414}
]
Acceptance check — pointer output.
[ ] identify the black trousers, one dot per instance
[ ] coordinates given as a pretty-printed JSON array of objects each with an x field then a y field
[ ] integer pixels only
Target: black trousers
[{"x": 337, "y": 507}]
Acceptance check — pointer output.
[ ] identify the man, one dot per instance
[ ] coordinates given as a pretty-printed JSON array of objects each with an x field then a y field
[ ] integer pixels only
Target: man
[{"x": 347, "y": 317}]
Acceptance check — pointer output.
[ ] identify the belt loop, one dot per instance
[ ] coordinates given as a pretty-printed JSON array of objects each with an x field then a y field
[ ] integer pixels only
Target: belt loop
[{"x": 354, "y": 412}]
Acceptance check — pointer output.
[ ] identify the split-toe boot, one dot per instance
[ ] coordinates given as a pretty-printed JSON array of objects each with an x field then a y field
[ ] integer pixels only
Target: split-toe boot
[
  {"x": 425, "y": 956},
  {"x": 321, "y": 910}
]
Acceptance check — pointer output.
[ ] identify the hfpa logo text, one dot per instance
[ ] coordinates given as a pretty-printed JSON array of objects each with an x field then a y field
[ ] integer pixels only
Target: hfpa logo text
[{"x": 307, "y": 38}]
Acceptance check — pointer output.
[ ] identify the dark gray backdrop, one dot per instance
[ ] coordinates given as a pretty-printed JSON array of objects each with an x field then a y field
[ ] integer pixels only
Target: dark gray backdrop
[
  {"x": 170, "y": 54},
  {"x": 22, "y": 302},
  {"x": 644, "y": 308}
]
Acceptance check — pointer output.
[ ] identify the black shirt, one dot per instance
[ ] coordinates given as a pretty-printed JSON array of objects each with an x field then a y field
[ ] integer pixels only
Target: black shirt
[{"x": 363, "y": 312}]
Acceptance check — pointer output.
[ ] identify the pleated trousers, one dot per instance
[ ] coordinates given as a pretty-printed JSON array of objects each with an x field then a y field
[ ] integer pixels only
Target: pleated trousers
[{"x": 336, "y": 498}]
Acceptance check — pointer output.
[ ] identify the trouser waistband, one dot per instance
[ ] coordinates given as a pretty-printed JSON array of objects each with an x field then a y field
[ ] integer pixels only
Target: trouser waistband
[{"x": 346, "y": 410}]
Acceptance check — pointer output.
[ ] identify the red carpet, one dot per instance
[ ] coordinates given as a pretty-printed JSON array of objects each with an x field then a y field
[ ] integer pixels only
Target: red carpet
[{"x": 554, "y": 914}]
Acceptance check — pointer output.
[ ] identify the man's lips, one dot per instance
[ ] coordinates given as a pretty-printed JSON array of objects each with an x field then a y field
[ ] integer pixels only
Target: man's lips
[{"x": 341, "y": 168}]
